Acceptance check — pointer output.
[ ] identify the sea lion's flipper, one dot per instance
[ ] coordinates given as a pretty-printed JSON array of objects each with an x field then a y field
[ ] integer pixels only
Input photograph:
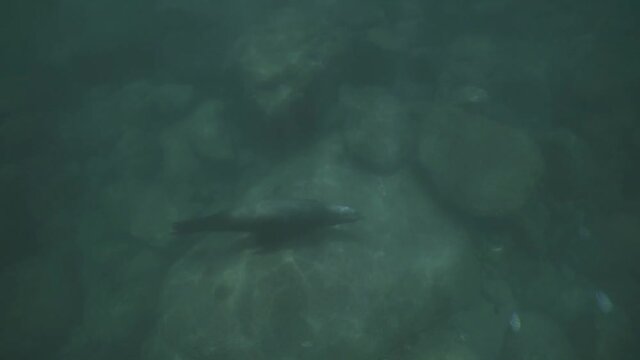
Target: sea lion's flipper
[{"x": 217, "y": 222}]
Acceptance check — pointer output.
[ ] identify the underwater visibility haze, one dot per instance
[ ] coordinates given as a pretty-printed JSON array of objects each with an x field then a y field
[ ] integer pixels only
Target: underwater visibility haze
[{"x": 319, "y": 179}]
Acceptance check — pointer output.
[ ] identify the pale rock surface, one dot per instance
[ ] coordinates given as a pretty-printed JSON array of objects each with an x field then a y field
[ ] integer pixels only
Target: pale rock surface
[{"x": 353, "y": 294}]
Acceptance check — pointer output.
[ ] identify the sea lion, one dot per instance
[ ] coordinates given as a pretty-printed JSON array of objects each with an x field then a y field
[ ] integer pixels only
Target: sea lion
[
  {"x": 271, "y": 224},
  {"x": 271, "y": 218}
]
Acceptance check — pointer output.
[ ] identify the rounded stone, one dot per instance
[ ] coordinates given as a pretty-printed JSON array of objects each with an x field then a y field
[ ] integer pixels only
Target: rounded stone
[{"x": 485, "y": 167}]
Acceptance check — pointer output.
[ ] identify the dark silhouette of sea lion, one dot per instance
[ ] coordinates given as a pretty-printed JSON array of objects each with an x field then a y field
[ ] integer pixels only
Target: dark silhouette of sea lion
[
  {"x": 272, "y": 221},
  {"x": 269, "y": 225}
]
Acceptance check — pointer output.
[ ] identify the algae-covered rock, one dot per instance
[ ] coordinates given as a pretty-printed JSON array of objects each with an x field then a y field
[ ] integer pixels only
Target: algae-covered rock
[{"x": 482, "y": 166}]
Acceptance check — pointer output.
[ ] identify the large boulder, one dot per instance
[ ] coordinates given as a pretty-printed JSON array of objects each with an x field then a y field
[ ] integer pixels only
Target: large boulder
[
  {"x": 160, "y": 149},
  {"x": 161, "y": 146},
  {"x": 474, "y": 332},
  {"x": 484, "y": 167},
  {"x": 478, "y": 68},
  {"x": 363, "y": 290},
  {"x": 377, "y": 129}
]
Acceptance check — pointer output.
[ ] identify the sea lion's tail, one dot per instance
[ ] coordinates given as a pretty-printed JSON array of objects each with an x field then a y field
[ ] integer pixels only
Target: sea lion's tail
[{"x": 217, "y": 222}]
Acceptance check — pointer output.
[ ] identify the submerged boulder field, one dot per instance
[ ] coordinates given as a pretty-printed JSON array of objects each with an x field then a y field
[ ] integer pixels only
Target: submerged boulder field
[{"x": 497, "y": 221}]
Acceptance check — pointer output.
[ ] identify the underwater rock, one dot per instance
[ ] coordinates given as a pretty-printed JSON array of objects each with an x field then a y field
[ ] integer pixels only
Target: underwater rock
[
  {"x": 378, "y": 130},
  {"x": 282, "y": 57},
  {"x": 201, "y": 140},
  {"x": 538, "y": 338},
  {"x": 615, "y": 337},
  {"x": 482, "y": 166},
  {"x": 561, "y": 293},
  {"x": 485, "y": 74},
  {"x": 205, "y": 131},
  {"x": 356, "y": 294}
]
